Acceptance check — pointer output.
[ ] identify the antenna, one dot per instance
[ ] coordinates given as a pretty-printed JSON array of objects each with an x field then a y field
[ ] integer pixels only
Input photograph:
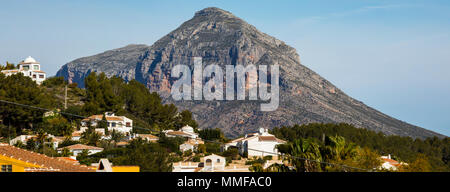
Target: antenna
[{"x": 65, "y": 98}]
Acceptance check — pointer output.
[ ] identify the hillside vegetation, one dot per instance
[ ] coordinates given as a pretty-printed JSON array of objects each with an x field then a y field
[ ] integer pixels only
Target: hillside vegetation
[
  {"x": 434, "y": 150},
  {"x": 332, "y": 143}
]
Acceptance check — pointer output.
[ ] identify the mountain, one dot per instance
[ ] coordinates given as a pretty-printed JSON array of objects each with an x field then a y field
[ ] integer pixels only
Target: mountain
[
  {"x": 120, "y": 62},
  {"x": 221, "y": 38}
]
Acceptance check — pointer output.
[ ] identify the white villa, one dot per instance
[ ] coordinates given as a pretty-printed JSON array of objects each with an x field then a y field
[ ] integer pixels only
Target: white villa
[
  {"x": 258, "y": 144},
  {"x": 55, "y": 141},
  {"x": 191, "y": 144},
  {"x": 29, "y": 68},
  {"x": 210, "y": 163},
  {"x": 214, "y": 163},
  {"x": 186, "y": 131},
  {"x": 390, "y": 164},
  {"x": 186, "y": 147},
  {"x": 118, "y": 123},
  {"x": 76, "y": 135},
  {"x": 78, "y": 148},
  {"x": 22, "y": 138},
  {"x": 147, "y": 137}
]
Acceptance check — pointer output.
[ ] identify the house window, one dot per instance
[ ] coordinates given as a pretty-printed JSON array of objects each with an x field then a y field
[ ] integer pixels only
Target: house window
[
  {"x": 208, "y": 162},
  {"x": 218, "y": 160},
  {"x": 41, "y": 76},
  {"x": 34, "y": 76},
  {"x": 113, "y": 124},
  {"x": 36, "y": 67},
  {"x": 6, "y": 168},
  {"x": 109, "y": 124},
  {"x": 26, "y": 67},
  {"x": 128, "y": 124}
]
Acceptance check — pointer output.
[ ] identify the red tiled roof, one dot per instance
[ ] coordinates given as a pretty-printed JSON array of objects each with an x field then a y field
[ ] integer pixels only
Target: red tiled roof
[
  {"x": 150, "y": 136},
  {"x": 122, "y": 143},
  {"x": 267, "y": 138},
  {"x": 10, "y": 71},
  {"x": 195, "y": 141},
  {"x": 68, "y": 159},
  {"x": 236, "y": 140},
  {"x": 100, "y": 117},
  {"x": 58, "y": 139},
  {"x": 391, "y": 161},
  {"x": 81, "y": 146},
  {"x": 76, "y": 134},
  {"x": 177, "y": 133},
  {"x": 48, "y": 164},
  {"x": 260, "y": 138}
]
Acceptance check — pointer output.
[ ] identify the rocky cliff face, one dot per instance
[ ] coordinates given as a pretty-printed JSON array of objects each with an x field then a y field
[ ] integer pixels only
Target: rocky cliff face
[
  {"x": 121, "y": 62},
  {"x": 221, "y": 38}
]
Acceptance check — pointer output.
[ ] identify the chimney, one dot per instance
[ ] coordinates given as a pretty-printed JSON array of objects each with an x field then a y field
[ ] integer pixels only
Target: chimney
[{"x": 261, "y": 131}]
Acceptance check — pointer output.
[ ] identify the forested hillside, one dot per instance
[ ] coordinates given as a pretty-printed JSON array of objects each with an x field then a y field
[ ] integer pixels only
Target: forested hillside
[
  {"x": 435, "y": 151},
  {"x": 341, "y": 144}
]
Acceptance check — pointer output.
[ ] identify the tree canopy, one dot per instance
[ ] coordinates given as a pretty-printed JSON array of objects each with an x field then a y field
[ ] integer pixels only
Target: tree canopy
[{"x": 405, "y": 149}]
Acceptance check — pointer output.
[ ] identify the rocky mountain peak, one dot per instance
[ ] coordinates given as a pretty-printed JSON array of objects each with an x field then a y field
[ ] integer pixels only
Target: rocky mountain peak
[
  {"x": 221, "y": 38},
  {"x": 213, "y": 11}
]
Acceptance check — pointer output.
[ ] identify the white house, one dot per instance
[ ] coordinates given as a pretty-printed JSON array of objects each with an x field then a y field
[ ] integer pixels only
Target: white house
[
  {"x": 29, "y": 68},
  {"x": 118, "y": 123},
  {"x": 100, "y": 131},
  {"x": 390, "y": 164},
  {"x": 55, "y": 141},
  {"x": 186, "y": 131},
  {"x": 147, "y": 137},
  {"x": 78, "y": 148},
  {"x": 210, "y": 163},
  {"x": 186, "y": 146},
  {"x": 187, "y": 166},
  {"x": 214, "y": 163},
  {"x": 22, "y": 138},
  {"x": 256, "y": 144},
  {"x": 191, "y": 144},
  {"x": 76, "y": 135}
]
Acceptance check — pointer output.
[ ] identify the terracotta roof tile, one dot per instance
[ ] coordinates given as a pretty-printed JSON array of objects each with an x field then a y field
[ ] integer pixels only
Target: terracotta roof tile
[
  {"x": 122, "y": 143},
  {"x": 177, "y": 133},
  {"x": 100, "y": 117},
  {"x": 81, "y": 146},
  {"x": 267, "y": 138},
  {"x": 76, "y": 134},
  {"x": 48, "y": 164},
  {"x": 391, "y": 161},
  {"x": 149, "y": 136}
]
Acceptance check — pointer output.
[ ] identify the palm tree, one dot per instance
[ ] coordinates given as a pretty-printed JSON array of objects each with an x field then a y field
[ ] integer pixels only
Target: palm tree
[
  {"x": 90, "y": 136},
  {"x": 41, "y": 136},
  {"x": 116, "y": 136},
  {"x": 66, "y": 152},
  {"x": 337, "y": 150},
  {"x": 278, "y": 168},
  {"x": 304, "y": 154}
]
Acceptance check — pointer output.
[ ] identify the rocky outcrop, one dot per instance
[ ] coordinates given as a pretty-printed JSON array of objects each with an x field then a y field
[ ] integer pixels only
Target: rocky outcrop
[
  {"x": 121, "y": 62},
  {"x": 221, "y": 38}
]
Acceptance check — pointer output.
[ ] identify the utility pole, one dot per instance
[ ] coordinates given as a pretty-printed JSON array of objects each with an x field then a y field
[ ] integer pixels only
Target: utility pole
[
  {"x": 65, "y": 98},
  {"x": 9, "y": 133}
]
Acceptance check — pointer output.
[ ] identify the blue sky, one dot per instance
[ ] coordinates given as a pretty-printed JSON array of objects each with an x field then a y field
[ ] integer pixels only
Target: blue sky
[{"x": 392, "y": 55}]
